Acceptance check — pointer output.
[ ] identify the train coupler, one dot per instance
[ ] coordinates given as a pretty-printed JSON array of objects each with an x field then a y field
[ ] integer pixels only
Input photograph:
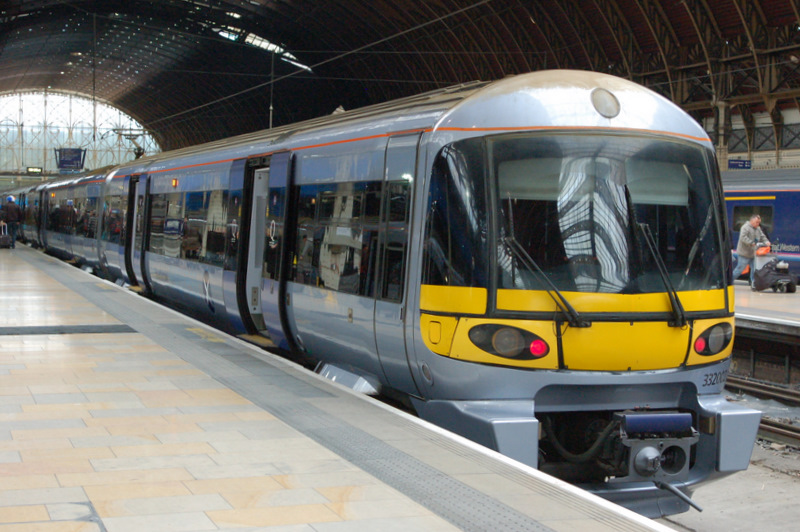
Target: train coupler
[{"x": 659, "y": 444}]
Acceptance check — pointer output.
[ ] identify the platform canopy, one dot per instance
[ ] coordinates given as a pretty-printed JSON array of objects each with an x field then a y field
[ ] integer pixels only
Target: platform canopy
[{"x": 197, "y": 70}]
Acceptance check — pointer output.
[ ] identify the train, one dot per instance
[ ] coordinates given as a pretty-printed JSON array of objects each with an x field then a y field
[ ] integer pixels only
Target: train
[
  {"x": 775, "y": 196},
  {"x": 540, "y": 264}
]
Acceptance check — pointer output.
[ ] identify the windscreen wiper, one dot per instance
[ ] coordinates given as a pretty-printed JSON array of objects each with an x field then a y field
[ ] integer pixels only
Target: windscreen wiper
[
  {"x": 573, "y": 318},
  {"x": 678, "y": 313},
  {"x": 696, "y": 244}
]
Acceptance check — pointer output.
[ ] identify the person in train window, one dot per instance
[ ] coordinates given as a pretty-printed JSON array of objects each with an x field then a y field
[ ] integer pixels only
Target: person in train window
[{"x": 750, "y": 237}]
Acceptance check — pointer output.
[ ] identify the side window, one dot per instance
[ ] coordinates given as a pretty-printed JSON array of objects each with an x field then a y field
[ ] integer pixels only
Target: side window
[
  {"x": 158, "y": 225},
  {"x": 397, "y": 202},
  {"x": 336, "y": 236},
  {"x": 455, "y": 246},
  {"x": 233, "y": 229},
  {"x": 113, "y": 219},
  {"x": 742, "y": 213},
  {"x": 215, "y": 228},
  {"x": 340, "y": 246},
  {"x": 193, "y": 226},
  {"x": 87, "y": 218}
]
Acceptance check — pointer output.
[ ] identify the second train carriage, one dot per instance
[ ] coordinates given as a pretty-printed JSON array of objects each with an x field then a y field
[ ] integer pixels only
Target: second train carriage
[
  {"x": 540, "y": 264},
  {"x": 775, "y": 196}
]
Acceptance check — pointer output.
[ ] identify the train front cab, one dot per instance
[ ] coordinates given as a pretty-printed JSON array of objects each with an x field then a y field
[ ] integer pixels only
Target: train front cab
[{"x": 592, "y": 305}]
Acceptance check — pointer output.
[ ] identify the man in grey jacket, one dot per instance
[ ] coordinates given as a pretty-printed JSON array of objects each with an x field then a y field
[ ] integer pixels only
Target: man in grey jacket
[{"x": 750, "y": 237}]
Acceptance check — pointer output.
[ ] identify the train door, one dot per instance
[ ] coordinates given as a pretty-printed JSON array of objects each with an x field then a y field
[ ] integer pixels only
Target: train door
[
  {"x": 251, "y": 238},
  {"x": 401, "y": 158},
  {"x": 136, "y": 240},
  {"x": 47, "y": 221},
  {"x": 267, "y": 255}
]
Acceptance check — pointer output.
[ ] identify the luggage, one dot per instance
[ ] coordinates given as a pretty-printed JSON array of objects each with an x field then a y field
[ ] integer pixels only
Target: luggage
[
  {"x": 775, "y": 274},
  {"x": 5, "y": 238}
]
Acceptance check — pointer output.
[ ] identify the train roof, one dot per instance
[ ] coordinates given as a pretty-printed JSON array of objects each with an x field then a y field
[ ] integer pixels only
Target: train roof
[
  {"x": 781, "y": 179},
  {"x": 433, "y": 102}
]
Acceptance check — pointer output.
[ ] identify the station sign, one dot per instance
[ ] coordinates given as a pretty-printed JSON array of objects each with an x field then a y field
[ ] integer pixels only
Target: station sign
[
  {"x": 739, "y": 164},
  {"x": 70, "y": 158}
]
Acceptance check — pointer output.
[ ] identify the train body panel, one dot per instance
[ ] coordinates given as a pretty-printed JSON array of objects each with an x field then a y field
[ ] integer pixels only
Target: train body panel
[{"x": 538, "y": 264}]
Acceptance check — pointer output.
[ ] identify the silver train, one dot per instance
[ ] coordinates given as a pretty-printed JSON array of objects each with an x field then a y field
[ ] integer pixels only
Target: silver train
[{"x": 540, "y": 264}]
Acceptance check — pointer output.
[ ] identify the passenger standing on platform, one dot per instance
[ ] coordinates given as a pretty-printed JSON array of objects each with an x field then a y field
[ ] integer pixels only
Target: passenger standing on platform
[
  {"x": 750, "y": 237},
  {"x": 10, "y": 214}
]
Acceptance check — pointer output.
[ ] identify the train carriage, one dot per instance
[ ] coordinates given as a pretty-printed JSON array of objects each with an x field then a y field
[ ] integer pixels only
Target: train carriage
[
  {"x": 540, "y": 264},
  {"x": 775, "y": 196}
]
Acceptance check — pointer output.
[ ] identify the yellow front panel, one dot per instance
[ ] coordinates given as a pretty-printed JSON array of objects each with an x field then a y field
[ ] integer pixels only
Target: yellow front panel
[
  {"x": 437, "y": 332},
  {"x": 623, "y": 346},
  {"x": 456, "y": 299},
  {"x": 464, "y": 349},
  {"x": 539, "y": 301},
  {"x": 700, "y": 326}
]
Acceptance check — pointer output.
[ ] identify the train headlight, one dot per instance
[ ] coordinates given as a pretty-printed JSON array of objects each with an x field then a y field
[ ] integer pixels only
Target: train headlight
[
  {"x": 714, "y": 339},
  {"x": 508, "y": 342}
]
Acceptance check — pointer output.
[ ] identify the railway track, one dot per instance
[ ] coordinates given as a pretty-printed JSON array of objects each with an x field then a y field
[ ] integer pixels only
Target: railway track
[
  {"x": 779, "y": 431},
  {"x": 760, "y": 389},
  {"x": 769, "y": 428}
]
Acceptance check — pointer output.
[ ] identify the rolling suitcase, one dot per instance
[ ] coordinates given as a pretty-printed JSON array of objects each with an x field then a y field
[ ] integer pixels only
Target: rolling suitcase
[
  {"x": 5, "y": 238},
  {"x": 775, "y": 274}
]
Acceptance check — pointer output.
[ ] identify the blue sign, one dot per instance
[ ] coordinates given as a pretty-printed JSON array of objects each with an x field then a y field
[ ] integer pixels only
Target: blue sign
[
  {"x": 739, "y": 164},
  {"x": 70, "y": 158}
]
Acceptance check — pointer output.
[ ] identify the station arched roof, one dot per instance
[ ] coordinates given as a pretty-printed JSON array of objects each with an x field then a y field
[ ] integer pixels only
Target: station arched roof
[{"x": 197, "y": 70}]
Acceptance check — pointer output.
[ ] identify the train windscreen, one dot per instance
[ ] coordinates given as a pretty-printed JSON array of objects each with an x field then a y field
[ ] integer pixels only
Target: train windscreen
[{"x": 605, "y": 214}]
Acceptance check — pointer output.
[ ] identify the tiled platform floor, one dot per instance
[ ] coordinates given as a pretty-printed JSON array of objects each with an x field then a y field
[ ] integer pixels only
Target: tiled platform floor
[{"x": 119, "y": 415}]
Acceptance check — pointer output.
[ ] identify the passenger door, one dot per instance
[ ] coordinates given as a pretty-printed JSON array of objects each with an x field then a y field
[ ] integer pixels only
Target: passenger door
[
  {"x": 136, "y": 240},
  {"x": 393, "y": 241},
  {"x": 268, "y": 242}
]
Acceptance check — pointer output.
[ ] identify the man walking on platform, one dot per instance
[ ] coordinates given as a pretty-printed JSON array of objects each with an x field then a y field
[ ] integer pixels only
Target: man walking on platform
[{"x": 750, "y": 237}]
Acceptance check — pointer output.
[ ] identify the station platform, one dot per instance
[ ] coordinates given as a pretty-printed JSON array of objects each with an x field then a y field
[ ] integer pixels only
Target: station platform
[
  {"x": 120, "y": 415},
  {"x": 767, "y": 312}
]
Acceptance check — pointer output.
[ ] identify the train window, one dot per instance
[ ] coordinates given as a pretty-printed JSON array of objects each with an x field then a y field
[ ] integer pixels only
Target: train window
[
  {"x": 601, "y": 213},
  {"x": 398, "y": 201},
  {"x": 337, "y": 249},
  {"x": 213, "y": 238},
  {"x": 232, "y": 229},
  {"x": 190, "y": 226},
  {"x": 160, "y": 228},
  {"x": 456, "y": 245},
  {"x": 742, "y": 213},
  {"x": 113, "y": 222},
  {"x": 306, "y": 204},
  {"x": 372, "y": 202},
  {"x": 327, "y": 205},
  {"x": 87, "y": 218},
  {"x": 194, "y": 225}
]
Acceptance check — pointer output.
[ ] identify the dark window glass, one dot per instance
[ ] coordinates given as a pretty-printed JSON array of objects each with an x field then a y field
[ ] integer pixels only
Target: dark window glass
[
  {"x": 742, "y": 214},
  {"x": 214, "y": 230},
  {"x": 598, "y": 213},
  {"x": 337, "y": 249},
  {"x": 194, "y": 225},
  {"x": 456, "y": 249},
  {"x": 114, "y": 212},
  {"x": 275, "y": 227},
  {"x": 158, "y": 224},
  {"x": 87, "y": 218},
  {"x": 232, "y": 230}
]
